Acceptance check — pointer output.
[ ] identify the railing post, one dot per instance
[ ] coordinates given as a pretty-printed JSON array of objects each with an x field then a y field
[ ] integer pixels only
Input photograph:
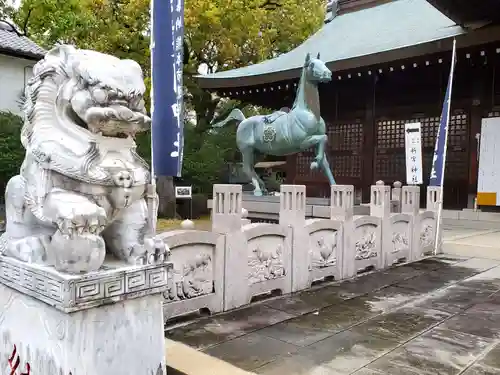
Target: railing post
[
  {"x": 341, "y": 202},
  {"x": 434, "y": 196},
  {"x": 410, "y": 204},
  {"x": 380, "y": 206},
  {"x": 227, "y": 208},
  {"x": 227, "y": 220},
  {"x": 293, "y": 214},
  {"x": 380, "y": 200},
  {"x": 396, "y": 197},
  {"x": 434, "y": 204},
  {"x": 342, "y": 209}
]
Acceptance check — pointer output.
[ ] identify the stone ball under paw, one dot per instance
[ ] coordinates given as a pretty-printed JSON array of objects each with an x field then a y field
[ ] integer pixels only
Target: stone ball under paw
[
  {"x": 187, "y": 224},
  {"x": 244, "y": 213},
  {"x": 78, "y": 253}
]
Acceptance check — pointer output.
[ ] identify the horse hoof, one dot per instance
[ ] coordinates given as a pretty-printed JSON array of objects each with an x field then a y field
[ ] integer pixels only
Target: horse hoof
[
  {"x": 314, "y": 165},
  {"x": 257, "y": 193}
]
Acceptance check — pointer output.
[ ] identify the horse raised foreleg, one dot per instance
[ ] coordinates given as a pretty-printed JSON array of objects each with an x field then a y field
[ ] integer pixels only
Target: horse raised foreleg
[
  {"x": 314, "y": 140},
  {"x": 325, "y": 166},
  {"x": 248, "y": 168}
]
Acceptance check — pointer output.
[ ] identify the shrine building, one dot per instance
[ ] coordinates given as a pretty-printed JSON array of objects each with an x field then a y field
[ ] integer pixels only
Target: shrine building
[{"x": 390, "y": 62}]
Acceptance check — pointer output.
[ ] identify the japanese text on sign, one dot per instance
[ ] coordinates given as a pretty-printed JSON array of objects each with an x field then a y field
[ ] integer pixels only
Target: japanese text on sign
[
  {"x": 178, "y": 47},
  {"x": 167, "y": 86},
  {"x": 413, "y": 151}
]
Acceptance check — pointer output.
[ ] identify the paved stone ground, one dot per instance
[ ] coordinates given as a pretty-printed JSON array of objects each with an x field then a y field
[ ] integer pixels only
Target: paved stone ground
[
  {"x": 439, "y": 316},
  {"x": 173, "y": 371}
]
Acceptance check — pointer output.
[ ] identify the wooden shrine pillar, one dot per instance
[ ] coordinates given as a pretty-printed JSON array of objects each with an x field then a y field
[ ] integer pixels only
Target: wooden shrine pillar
[{"x": 368, "y": 165}]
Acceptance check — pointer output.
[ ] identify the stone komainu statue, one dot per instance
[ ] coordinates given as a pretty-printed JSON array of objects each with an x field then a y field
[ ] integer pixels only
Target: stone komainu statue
[{"x": 82, "y": 187}]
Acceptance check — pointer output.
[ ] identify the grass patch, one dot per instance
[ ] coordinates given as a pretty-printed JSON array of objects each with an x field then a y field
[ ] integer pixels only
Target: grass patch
[{"x": 163, "y": 225}]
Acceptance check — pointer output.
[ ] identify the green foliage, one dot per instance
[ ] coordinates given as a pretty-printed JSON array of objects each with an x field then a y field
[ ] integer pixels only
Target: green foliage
[
  {"x": 273, "y": 181},
  {"x": 226, "y": 34},
  {"x": 143, "y": 141},
  {"x": 118, "y": 27},
  {"x": 203, "y": 167},
  {"x": 11, "y": 150}
]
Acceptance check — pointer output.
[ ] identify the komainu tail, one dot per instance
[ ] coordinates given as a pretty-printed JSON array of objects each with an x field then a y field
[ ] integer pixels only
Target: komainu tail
[{"x": 235, "y": 115}]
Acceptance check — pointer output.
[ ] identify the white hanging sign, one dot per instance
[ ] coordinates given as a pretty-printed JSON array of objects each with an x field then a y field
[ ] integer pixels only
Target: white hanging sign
[{"x": 413, "y": 151}]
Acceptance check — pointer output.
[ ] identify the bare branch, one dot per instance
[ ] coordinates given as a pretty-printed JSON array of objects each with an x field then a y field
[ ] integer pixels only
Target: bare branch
[{"x": 26, "y": 20}]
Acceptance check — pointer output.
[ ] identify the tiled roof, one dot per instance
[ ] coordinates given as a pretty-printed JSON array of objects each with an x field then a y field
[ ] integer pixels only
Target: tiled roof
[
  {"x": 391, "y": 26},
  {"x": 12, "y": 43}
]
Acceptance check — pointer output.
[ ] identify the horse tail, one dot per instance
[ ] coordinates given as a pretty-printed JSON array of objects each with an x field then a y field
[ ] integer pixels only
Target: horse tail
[{"x": 235, "y": 114}]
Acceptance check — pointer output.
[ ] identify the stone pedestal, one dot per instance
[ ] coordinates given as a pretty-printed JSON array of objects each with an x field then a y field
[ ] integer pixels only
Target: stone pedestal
[{"x": 101, "y": 323}]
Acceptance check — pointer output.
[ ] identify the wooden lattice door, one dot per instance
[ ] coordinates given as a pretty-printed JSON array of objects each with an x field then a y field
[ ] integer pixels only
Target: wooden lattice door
[
  {"x": 389, "y": 150},
  {"x": 345, "y": 146},
  {"x": 344, "y": 151},
  {"x": 389, "y": 161}
]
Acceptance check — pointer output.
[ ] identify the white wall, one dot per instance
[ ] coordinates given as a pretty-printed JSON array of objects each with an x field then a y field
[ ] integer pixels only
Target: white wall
[{"x": 14, "y": 74}]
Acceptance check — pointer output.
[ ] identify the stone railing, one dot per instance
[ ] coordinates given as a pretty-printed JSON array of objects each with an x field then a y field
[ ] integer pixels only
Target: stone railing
[
  {"x": 223, "y": 269},
  {"x": 266, "y": 209}
]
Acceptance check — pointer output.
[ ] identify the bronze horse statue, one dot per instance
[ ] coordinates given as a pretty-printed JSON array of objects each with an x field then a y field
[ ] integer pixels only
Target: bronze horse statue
[{"x": 286, "y": 132}]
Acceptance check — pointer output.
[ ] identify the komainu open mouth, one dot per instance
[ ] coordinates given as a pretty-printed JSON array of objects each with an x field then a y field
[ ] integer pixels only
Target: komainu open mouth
[{"x": 117, "y": 121}]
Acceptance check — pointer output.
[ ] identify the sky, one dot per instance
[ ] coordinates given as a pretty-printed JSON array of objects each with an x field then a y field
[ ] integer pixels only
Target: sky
[{"x": 14, "y": 3}]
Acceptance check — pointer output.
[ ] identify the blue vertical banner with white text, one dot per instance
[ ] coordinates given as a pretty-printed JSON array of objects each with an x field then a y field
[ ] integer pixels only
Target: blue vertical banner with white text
[
  {"x": 167, "y": 36},
  {"x": 439, "y": 158}
]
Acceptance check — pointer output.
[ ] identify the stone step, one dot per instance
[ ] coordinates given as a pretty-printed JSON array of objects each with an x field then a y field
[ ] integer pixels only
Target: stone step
[
  {"x": 188, "y": 361},
  {"x": 471, "y": 224},
  {"x": 173, "y": 371},
  {"x": 472, "y": 242}
]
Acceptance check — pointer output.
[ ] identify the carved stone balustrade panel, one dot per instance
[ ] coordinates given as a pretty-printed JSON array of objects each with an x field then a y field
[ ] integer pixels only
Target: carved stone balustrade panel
[
  {"x": 269, "y": 258},
  {"x": 325, "y": 249},
  {"x": 198, "y": 272},
  {"x": 398, "y": 247}
]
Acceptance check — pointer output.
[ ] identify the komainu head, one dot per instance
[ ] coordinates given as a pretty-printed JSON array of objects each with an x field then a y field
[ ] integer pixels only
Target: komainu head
[{"x": 99, "y": 94}]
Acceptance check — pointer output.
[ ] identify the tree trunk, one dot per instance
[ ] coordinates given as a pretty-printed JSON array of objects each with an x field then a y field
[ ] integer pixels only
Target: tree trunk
[{"x": 166, "y": 197}]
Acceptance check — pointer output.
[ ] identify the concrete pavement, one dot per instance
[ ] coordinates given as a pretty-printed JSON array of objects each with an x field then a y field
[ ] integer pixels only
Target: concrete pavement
[{"x": 437, "y": 316}]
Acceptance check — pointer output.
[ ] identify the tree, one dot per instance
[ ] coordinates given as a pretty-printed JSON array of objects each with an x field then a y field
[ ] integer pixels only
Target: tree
[
  {"x": 220, "y": 34},
  {"x": 5, "y": 10},
  {"x": 118, "y": 27},
  {"x": 227, "y": 34}
]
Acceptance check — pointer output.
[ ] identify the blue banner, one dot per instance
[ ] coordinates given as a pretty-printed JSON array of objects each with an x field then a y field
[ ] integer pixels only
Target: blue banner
[
  {"x": 439, "y": 159},
  {"x": 167, "y": 36}
]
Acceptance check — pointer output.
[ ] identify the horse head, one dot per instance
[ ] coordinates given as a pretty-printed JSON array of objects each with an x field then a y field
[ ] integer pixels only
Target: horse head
[{"x": 316, "y": 70}]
